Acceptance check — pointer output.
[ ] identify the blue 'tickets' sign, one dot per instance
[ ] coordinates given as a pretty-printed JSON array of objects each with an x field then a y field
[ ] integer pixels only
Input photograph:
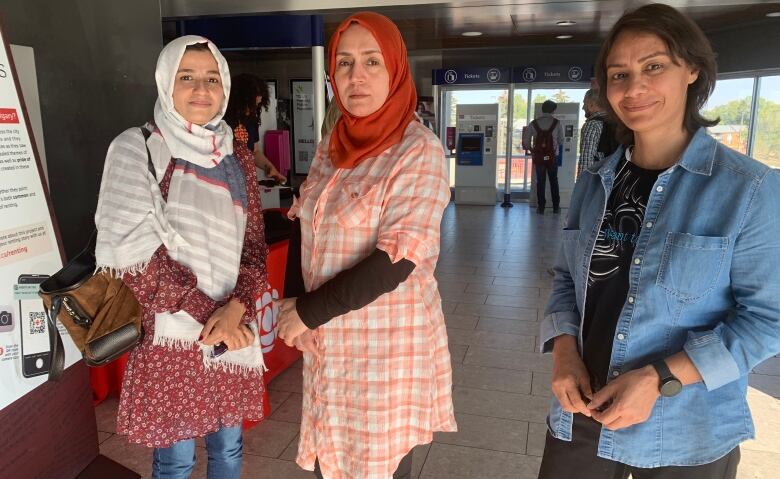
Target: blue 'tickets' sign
[
  {"x": 552, "y": 74},
  {"x": 522, "y": 74},
  {"x": 470, "y": 76}
]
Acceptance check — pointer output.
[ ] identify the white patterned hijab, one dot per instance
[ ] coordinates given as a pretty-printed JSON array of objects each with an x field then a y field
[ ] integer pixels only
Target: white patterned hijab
[{"x": 204, "y": 145}]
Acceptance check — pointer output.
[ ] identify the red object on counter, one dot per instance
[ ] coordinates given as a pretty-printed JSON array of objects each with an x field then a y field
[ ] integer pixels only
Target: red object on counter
[
  {"x": 106, "y": 381},
  {"x": 277, "y": 149}
]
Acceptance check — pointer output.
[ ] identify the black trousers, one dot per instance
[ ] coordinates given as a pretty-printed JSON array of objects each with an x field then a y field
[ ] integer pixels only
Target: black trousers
[
  {"x": 404, "y": 470},
  {"x": 542, "y": 172},
  {"x": 577, "y": 460}
]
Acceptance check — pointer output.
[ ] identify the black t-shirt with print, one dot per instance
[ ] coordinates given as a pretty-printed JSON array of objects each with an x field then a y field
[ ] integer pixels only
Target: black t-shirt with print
[{"x": 610, "y": 263}]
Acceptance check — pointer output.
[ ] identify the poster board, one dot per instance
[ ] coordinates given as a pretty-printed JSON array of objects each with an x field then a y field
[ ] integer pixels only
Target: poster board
[
  {"x": 29, "y": 249},
  {"x": 49, "y": 426},
  {"x": 304, "y": 138}
]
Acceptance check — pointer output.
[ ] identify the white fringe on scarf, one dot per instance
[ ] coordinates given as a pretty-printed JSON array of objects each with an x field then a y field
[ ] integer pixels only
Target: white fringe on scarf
[{"x": 179, "y": 331}]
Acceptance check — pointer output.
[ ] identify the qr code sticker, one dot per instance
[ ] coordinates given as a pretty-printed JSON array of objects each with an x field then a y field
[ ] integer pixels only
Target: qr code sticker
[{"x": 37, "y": 322}]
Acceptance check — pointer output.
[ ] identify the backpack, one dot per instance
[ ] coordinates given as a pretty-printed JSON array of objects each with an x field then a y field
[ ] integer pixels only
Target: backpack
[
  {"x": 543, "y": 150},
  {"x": 607, "y": 142}
]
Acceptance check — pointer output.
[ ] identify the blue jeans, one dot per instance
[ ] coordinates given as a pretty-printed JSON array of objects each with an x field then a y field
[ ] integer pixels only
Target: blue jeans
[{"x": 224, "y": 449}]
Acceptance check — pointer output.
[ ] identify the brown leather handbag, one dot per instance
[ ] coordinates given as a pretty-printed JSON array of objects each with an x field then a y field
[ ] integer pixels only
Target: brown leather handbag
[{"x": 99, "y": 311}]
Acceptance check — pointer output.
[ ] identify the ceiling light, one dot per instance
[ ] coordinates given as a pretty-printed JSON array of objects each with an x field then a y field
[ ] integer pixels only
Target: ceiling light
[
  {"x": 566, "y": 23},
  {"x": 564, "y": 37},
  {"x": 773, "y": 14},
  {"x": 471, "y": 34}
]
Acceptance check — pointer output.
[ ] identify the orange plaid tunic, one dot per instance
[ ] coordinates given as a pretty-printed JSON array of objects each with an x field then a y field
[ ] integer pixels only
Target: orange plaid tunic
[{"x": 383, "y": 382}]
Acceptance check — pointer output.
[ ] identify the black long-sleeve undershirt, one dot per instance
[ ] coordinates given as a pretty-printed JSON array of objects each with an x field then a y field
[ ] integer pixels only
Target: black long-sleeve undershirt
[{"x": 349, "y": 290}]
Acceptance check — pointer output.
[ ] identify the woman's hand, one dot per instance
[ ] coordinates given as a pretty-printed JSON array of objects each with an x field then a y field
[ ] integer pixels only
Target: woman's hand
[
  {"x": 631, "y": 398},
  {"x": 289, "y": 325},
  {"x": 274, "y": 173},
  {"x": 305, "y": 343},
  {"x": 224, "y": 326},
  {"x": 570, "y": 378}
]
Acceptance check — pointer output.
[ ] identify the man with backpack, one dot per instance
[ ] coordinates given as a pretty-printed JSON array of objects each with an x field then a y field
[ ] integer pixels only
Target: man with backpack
[
  {"x": 543, "y": 137},
  {"x": 597, "y": 140}
]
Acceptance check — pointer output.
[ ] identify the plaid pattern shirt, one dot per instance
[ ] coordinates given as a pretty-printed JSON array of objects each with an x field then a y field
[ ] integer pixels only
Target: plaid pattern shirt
[
  {"x": 589, "y": 141},
  {"x": 383, "y": 380}
]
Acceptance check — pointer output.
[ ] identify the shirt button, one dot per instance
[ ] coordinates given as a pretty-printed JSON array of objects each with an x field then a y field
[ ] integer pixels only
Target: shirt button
[
  {"x": 615, "y": 373},
  {"x": 631, "y": 299},
  {"x": 621, "y": 336},
  {"x": 649, "y": 224},
  {"x": 659, "y": 189},
  {"x": 637, "y": 261}
]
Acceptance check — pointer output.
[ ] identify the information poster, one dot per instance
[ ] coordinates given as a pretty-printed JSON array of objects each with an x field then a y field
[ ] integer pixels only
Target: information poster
[
  {"x": 304, "y": 139},
  {"x": 29, "y": 252}
]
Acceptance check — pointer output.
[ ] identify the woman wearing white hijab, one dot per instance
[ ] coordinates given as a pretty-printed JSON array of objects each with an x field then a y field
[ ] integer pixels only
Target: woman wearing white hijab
[{"x": 184, "y": 230}]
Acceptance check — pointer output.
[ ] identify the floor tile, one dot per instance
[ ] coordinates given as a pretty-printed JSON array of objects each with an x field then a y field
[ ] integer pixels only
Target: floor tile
[
  {"x": 495, "y": 434},
  {"x": 103, "y": 436},
  {"x": 463, "y": 278},
  {"x": 492, "y": 289},
  {"x": 461, "y": 297},
  {"x": 290, "y": 380},
  {"x": 518, "y": 301},
  {"x": 505, "y": 312},
  {"x": 458, "y": 352},
  {"x": 458, "y": 462},
  {"x": 290, "y": 410},
  {"x": 537, "y": 432},
  {"x": 493, "y": 379},
  {"x": 770, "y": 367},
  {"x": 504, "y": 358},
  {"x": 519, "y": 407},
  {"x": 270, "y": 438},
  {"x": 136, "y": 458},
  {"x": 105, "y": 414},
  {"x": 460, "y": 321},
  {"x": 766, "y": 384},
  {"x": 491, "y": 339},
  {"x": 291, "y": 451},
  {"x": 418, "y": 459},
  {"x": 526, "y": 328},
  {"x": 258, "y": 467},
  {"x": 541, "y": 384}
]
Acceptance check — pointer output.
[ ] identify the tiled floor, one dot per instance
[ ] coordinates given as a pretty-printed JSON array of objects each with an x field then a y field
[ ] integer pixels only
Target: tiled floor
[{"x": 492, "y": 277}]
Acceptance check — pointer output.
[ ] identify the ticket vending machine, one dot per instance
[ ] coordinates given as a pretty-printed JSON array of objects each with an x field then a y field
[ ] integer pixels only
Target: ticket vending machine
[
  {"x": 475, "y": 154},
  {"x": 568, "y": 114}
]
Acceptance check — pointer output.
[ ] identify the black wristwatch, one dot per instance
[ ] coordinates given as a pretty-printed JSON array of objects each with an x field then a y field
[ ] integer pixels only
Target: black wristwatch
[{"x": 668, "y": 385}]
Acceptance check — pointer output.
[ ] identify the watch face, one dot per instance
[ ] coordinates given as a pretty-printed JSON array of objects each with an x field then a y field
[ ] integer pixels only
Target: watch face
[{"x": 671, "y": 387}]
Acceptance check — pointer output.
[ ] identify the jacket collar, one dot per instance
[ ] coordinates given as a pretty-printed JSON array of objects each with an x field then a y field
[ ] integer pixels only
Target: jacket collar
[{"x": 698, "y": 157}]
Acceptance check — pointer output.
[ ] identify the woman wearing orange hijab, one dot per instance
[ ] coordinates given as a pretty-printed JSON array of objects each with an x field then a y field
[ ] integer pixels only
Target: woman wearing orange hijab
[{"x": 377, "y": 377}]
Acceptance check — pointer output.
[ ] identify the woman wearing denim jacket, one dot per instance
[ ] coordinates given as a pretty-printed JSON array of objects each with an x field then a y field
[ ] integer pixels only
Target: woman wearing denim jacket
[{"x": 665, "y": 290}]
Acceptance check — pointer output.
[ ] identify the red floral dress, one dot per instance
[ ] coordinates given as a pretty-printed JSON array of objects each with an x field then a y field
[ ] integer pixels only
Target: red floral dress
[{"x": 167, "y": 395}]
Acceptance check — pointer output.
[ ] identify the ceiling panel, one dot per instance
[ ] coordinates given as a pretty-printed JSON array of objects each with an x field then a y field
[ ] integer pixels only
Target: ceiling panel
[{"x": 428, "y": 25}]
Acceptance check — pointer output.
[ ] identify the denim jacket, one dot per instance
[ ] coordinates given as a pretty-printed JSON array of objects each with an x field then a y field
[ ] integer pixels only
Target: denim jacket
[{"x": 704, "y": 278}]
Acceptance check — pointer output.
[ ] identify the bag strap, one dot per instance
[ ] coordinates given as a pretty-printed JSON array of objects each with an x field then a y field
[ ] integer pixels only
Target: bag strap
[{"x": 57, "y": 351}]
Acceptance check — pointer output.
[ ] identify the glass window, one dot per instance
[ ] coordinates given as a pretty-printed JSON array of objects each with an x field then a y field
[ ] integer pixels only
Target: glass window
[
  {"x": 766, "y": 146},
  {"x": 730, "y": 101}
]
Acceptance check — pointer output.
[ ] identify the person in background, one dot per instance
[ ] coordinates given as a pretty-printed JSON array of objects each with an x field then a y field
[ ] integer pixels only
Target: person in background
[
  {"x": 665, "y": 290},
  {"x": 377, "y": 379},
  {"x": 332, "y": 115},
  {"x": 543, "y": 137},
  {"x": 597, "y": 138},
  {"x": 248, "y": 97},
  {"x": 183, "y": 229}
]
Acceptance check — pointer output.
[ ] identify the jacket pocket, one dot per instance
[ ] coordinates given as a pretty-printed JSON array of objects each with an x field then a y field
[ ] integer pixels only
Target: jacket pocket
[
  {"x": 355, "y": 203},
  {"x": 690, "y": 264}
]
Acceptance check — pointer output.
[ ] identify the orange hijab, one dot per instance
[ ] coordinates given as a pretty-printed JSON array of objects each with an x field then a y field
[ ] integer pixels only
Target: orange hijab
[{"x": 354, "y": 138}]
